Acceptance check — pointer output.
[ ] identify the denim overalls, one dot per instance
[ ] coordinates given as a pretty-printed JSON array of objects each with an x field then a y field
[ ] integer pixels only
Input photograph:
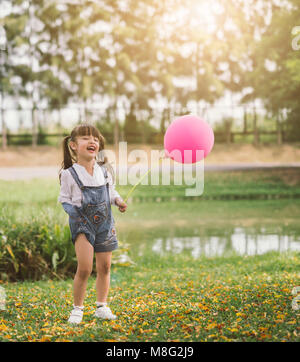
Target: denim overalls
[{"x": 95, "y": 218}]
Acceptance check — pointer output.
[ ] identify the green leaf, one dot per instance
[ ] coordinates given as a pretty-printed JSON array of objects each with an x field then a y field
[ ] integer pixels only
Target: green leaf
[{"x": 55, "y": 258}]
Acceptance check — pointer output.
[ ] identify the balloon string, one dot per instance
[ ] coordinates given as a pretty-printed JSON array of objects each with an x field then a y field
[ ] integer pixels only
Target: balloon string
[{"x": 133, "y": 188}]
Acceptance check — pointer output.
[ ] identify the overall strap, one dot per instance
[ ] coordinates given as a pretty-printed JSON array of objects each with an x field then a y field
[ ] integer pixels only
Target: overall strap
[
  {"x": 106, "y": 183},
  {"x": 76, "y": 178},
  {"x": 105, "y": 173}
]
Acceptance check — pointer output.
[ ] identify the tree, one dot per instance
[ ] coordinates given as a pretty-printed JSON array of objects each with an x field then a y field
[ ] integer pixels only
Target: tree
[
  {"x": 11, "y": 25},
  {"x": 275, "y": 78}
]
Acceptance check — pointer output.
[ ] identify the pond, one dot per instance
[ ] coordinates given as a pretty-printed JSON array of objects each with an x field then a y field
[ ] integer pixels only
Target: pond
[
  {"x": 241, "y": 242},
  {"x": 213, "y": 242},
  {"x": 243, "y": 229}
]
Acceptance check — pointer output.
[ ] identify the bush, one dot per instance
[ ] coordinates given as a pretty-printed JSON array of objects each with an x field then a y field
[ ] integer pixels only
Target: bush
[
  {"x": 31, "y": 250},
  {"x": 40, "y": 249}
]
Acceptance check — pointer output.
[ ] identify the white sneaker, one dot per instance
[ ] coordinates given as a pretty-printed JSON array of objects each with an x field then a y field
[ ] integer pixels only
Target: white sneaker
[
  {"x": 105, "y": 313},
  {"x": 76, "y": 315}
]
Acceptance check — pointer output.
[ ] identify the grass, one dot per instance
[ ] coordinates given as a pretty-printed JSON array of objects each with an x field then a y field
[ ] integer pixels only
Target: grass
[
  {"x": 166, "y": 299},
  {"x": 22, "y": 199},
  {"x": 246, "y": 185},
  {"x": 216, "y": 184},
  {"x": 170, "y": 297}
]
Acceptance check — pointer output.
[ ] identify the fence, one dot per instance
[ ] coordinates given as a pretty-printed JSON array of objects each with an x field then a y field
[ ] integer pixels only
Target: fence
[
  {"x": 235, "y": 124},
  {"x": 152, "y": 138}
]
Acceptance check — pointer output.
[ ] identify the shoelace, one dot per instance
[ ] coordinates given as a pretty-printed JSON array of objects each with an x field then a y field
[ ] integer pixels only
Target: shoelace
[
  {"x": 76, "y": 312},
  {"x": 106, "y": 312}
]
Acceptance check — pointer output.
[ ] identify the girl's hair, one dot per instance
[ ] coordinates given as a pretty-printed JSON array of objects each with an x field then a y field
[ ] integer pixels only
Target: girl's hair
[{"x": 69, "y": 156}]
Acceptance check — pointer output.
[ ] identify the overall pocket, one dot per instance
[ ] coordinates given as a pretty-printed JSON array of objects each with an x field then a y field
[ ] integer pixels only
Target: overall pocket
[
  {"x": 76, "y": 223},
  {"x": 97, "y": 213}
]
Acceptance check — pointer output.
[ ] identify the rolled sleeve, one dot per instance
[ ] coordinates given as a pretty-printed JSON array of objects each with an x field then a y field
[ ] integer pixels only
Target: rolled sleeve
[{"x": 65, "y": 194}]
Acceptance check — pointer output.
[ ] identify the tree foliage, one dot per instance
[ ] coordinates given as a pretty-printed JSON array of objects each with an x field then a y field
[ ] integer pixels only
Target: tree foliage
[{"x": 137, "y": 52}]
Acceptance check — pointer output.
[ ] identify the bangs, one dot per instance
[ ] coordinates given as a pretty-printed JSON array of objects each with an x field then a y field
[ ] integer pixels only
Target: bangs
[{"x": 87, "y": 130}]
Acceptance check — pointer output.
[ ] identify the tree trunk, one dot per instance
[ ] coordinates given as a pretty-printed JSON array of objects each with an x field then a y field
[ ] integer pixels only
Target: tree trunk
[
  {"x": 228, "y": 124},
  {"x": 143, "y": 133},
  {"x": 4, "y": 133},
  {"x": 279, "y": 130},
  {"x": 163, "y": 121},
  {"x": 59, "y": 126},
  {"x": 83, "y": 113},
  {"x": 245, "y": 120},
  {"x": 34, "y": 127},
  {"x": 255, "y": 130},
  {"x": 116, "y": 128}
]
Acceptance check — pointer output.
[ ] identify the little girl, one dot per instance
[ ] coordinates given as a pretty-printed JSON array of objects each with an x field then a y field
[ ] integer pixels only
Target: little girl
[{"x": 87, "y": 192}]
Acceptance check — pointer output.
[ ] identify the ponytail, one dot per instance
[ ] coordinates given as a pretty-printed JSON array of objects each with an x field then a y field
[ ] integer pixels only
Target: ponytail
[{"x": 67, "y": 157}]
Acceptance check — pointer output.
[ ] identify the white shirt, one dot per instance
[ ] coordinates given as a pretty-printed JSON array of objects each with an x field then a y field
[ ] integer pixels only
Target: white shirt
[{"x": 70, "y": 191}]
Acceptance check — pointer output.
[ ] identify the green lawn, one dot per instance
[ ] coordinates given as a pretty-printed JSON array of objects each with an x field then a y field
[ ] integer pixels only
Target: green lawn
[
  {"x": 157, "y": 297},
  {"x": 256, "y": 184},
  {"x": 166, "y": 299}
]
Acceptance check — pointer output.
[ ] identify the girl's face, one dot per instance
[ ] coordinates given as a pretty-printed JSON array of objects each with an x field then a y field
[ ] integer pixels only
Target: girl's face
[{"x": 85, "y": 147}]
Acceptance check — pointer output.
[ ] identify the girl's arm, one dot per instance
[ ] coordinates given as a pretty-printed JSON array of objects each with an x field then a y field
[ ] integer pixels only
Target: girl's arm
[
  {"x": 65, "y": 194},
  {"x": 115, "y": 198},
  {"x": 113, "y": 193}
]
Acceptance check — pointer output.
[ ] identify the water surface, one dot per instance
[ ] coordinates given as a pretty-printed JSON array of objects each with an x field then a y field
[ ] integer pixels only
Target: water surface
[{"x": 212, "y": 229}]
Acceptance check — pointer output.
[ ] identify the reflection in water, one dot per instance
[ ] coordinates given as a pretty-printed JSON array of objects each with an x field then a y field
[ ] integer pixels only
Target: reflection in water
[{"x": 238, "y": 242}]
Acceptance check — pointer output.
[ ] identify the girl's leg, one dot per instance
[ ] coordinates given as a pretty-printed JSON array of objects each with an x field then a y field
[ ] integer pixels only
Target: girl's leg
[
  {"x": 103, "y": 262},
  {"x": 85, "y": 253}
]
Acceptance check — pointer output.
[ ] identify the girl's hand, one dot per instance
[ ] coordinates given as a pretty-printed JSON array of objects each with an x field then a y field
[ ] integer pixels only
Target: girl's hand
[{"x": 121, "y": 204}]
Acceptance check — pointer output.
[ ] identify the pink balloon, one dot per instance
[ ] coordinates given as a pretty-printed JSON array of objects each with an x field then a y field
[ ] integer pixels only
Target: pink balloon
[{"x": 188, "y": 133}]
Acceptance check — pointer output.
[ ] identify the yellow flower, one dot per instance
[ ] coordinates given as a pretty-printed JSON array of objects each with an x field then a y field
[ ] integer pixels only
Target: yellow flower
[
  {"x": 3, "y": 327},
  {"x": 211, "y": 325}
]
